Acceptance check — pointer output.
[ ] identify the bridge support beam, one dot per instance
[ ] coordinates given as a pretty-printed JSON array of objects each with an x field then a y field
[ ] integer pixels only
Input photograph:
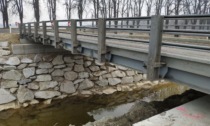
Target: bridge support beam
[
  {"x": 101, "y": 39},
  {"x": 21, "y": 30},
  {"x": 75, "y": 43},
  {"x": 35, "y": 31},
  {"x": 29, "y": 29},
  {"x": 24, "y": 30},
  {"x": 44, "y": 32},
  {"x": 155, "y": 47},
  {"x": 56, "y": 35}
]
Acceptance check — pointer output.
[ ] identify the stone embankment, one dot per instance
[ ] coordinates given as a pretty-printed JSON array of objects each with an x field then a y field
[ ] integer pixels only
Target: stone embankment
[{"x": 30, "y": 79}]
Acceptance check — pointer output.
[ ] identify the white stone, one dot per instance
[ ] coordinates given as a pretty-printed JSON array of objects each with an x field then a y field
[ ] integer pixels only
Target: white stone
[
  {"x": 99, "y": 63},
  {"x": 28, "y": 72},
  {"x": 130, "y": 73},
  {"x": 83, "y": 75},
  {"x": 78, "y": 81},
  {"x": 47, "y": 85},
  {"x": 25, "y": 105},
  {"x": 13, "y": 61},
  {"x": 70, "y": 75},
  {"x": 45, "y": 65},
  {"x": 94, "y": 68},
  {"x": 84, "y": 92},
  {"x": 42, "y": 71},
  {"x": 43, "y": 78},
  {"x": 24, "y": 81},
  {"x": 67, "y": 87},
  {"x": 57, "y": 73},
  {"x": 118, "y": 73},
  {"x": 13, "y": 90},
  {"x": 3, "y": 60},
  {"x": 33, "y": 86},
  {"x": 127, "y": 80},
  {"x": 137, "y": 78},
  {"x": 4, "y": 44},
  {"x": 144, "y": 76},
  {"x": 24, "y": 94},
  {"x": 105, "y": 76},
  {"x": 110, "y": 69},
  {"x": 21, "y": 66},
  {"x": 109, "y": 91},
  {"x": 47, "y": 102},
  {"x": 114, "y": 81},
  {"x": 103, "y": 82},
  {"x": 58, "y": 60},
  {"x": 9, "y": 84},
  {"x": 12, "y": 75},
  {"x": 79, "y": 68},
  {"x": 68, "y": 59},
  {"x": 26, "y": 60},
  {"x": 34, "y": 101},
  {"x": 6, "y": 67},
  {"x": 86, "y": 84},
  {"x": 37, "y": 58},
  {"x": 99, "y": 73},
  {"x": 32, "y": 65},
  {"x": 6, "y": 96},
  {"x": 122, "y": 68},
  {"x": 88, "y": 63},
  {"x": 46, "y": 94},
  {"x": 5, "y": 52}
]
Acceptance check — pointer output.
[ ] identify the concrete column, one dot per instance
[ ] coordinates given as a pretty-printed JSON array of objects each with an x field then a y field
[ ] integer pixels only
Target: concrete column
[
  {"x": 74, "y": 41},
  {"x": 101, "y": 39}
]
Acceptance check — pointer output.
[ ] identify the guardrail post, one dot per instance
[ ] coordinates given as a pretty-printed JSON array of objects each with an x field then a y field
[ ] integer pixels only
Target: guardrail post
[
  {"x": 24, "y": 30},
  {"x": 155, "y": 47},
  {"x": 44, "y": 32},
  {"x": 101, "y": 39},
  {"x": 56, "y": 34},
  {"x": 21, "y": 30},
  {"x": 35, "y": 31},
  {"x": 29, "y": 29},
  {"x": 75, "y": 43}
]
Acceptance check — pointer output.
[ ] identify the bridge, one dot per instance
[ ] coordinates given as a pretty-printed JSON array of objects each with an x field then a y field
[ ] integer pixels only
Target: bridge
[{"x": 108, "y": 40}]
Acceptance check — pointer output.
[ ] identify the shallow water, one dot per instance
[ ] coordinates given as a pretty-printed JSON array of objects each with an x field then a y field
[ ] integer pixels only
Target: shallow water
[{"x": 80, "y": 110}]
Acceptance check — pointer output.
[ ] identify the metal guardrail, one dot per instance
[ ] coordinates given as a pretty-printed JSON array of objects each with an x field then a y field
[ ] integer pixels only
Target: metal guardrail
[{"x": 155, "y": 29}]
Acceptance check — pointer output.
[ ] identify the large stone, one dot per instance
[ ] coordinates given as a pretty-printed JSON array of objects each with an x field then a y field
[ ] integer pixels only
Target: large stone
[
  {"x": 81, "y": 61},
  {"x": 88, "y": 63},
  {"x": 42, "y": 71},
  {"x": 24, "y": 94},
  {"x": 114, "y": 81},
  {"x": 26, "y": 60},
  {"x": 6, "y": 67},
  {"x": 137, "y": 78},
  {"x": 13, "y": 61},
  {"x": 24, "y": 81},
  {"x": 79, "y": 68},
  {"x": 78, "y": 81},
  {"x": 48, "y": 58},
  {"x": 37, "y": 58},
  {"x": 83, "y": 75},
  {"x": 9, "y": 84},
  {"x": 58, "y": 79},
  {"x": 21, "y": 66},
  {"x": 109, "y": 91},
  {"x": 4, "y": 44},
  {"x": 33, "y": 86},
  {"x": 45, "y": 65},
  {"x": 58, "y": 60},
  {"x": 12, "y": 75},
  {"x": 47, "y": 85},
  {"x": 46, "y": 94},
  {"x": 118, "y": 73},
  {"x": 86, "y": 84},
  {"x": 103, "y": 82},
  {"x": 67, "y": 87},
  {"x": 127, "y": 80},
  {"x": 3, "y": 60},
  {"x": 94, "y": 68},
  {"x": 6, "y": 96},
  {"x": 110, "y": 69},
  {"x": 70, "y": 75},
  {"x": 105, "y": 76},
  {"x": 28, "y": 72},
  {"x": 43, "y": 78},
  {"x": 130, "y": 72},
  {"x": 122, "y": 68},
  {"x": 5, "y": 52},
  {"x": 68, "y": 59},
  {"x": 60, "y": 66},
  {"x": 57, "y": 73},
  {"x": 99, "y": 73}
]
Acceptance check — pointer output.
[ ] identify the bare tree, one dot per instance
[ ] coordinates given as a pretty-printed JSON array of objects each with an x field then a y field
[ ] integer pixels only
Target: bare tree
[
  {"x": 51, "y": 6},
  {"x": 4, "y": 11},
  {"x": 35, "y": 4},
  {"x": 80, "y": 9},
  {"x": 17, "y": 8},
  {"x": 69, "y": 5},
  {"x": 158, "y": 6},
  {"x": 149, "y": 4}
]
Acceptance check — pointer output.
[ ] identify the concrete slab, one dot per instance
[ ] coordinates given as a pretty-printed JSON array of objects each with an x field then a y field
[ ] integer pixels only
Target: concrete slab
[
  {"x": 33, "y": 49},
  {"x": 194, "y": 113}
]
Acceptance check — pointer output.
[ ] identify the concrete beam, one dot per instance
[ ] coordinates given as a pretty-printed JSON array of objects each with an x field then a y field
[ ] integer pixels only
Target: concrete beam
[{"x": 21, "y": 49}]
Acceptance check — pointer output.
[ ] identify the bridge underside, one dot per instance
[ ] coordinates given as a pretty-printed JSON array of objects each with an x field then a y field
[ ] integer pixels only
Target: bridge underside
[{"x": 181, "y": 65}]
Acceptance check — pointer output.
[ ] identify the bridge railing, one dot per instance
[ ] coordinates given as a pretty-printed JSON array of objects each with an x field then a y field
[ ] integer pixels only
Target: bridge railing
[{"x": 103, "y": 30}]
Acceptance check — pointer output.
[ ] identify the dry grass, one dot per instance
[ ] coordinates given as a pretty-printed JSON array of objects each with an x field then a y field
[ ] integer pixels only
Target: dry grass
[{"x": 11, "y": 38}]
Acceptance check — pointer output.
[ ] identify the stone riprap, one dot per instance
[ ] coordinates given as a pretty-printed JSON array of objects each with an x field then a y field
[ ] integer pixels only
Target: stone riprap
[{"x": 38, "y": 77}]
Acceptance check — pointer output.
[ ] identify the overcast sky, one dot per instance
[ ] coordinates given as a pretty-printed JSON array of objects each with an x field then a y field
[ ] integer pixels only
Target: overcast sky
[{"x": 29, "y": 14}]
